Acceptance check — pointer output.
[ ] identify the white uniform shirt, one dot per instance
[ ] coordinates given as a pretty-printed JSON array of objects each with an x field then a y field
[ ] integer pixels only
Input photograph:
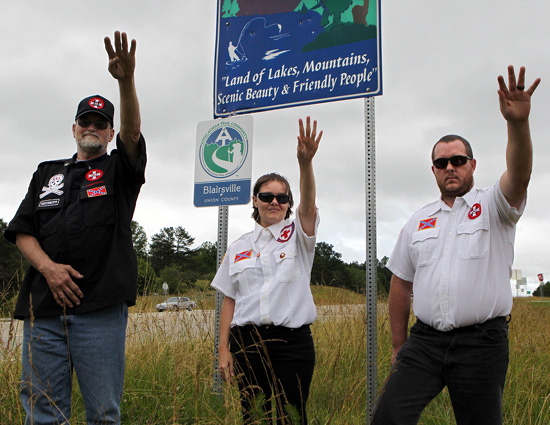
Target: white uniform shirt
[
  {"x": 459, "y": 259},
  {"x": 268, "y": 272}
]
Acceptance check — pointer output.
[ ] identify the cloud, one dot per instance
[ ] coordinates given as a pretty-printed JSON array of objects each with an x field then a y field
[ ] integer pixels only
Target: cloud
[{"x": 440, "y": 63}]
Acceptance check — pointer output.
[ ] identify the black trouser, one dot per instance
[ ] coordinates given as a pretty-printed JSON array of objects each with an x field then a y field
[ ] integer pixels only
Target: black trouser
[
  {"x": 472, "y": 363},
  {"x": 276, "y": 362}
]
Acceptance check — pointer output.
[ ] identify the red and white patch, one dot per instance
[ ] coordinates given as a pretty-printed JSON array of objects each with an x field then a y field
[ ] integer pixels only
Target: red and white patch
[
  {"x": 245, "y": 255},
  {"x": 427, "y": 223},
  {"x": 96, "y": 191},
  {"x": 93, "y": 175},
  {"x": 474, "y": 212},
  {"x": 96, "y": 103},
  {"x": 286, "y": 233}
]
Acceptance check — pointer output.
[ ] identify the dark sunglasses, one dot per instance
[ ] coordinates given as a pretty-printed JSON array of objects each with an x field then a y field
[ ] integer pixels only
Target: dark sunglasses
[
  {"x": 100, "y": 125},
  {"x": 456, "y": 161},
  {"x": 282, "y": 198}
]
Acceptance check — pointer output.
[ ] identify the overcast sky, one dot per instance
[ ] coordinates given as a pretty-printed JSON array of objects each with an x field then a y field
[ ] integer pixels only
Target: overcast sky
[{"x": 440, "y": 62}]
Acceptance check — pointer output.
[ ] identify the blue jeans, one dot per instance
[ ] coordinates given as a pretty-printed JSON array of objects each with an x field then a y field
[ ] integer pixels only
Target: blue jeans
[
  {"x": 91, "y": 343},
  {"x": 472, "y": 363}
]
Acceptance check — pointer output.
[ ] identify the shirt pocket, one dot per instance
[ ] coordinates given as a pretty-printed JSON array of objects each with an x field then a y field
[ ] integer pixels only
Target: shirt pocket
[
  {"x": 240, "y": 273},
  {"x": 49, "y": 218},
  {"x": 424, "y": 246},
  {"x": 98, "y": 205},
  {"x": 287, "y": 264},
  {"x": 473, "y": 239},
  {"x": 49, "y": 212}
]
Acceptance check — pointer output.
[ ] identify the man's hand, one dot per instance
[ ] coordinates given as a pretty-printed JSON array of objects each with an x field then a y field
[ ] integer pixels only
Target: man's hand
[
  {"x": 122, "y": 61},
  {"x": 58, "y": 276},
  {"x": 515, "y": 101},
  {"x": 64, "y": 290}
]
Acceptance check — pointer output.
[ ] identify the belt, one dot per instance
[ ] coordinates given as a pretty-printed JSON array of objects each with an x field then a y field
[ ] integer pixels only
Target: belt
[{"x": 461, "y": 329}]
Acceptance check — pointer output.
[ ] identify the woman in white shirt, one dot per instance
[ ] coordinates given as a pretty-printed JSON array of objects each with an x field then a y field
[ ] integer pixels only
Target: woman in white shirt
[{"x": 265, "y": 339}]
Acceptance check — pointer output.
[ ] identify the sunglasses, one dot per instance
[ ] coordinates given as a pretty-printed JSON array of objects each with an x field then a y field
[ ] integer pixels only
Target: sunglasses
[
  {"x": 456, "y": 161},
  {"x": 100, "y": 125},
  {"x": 282, "y": 198}
]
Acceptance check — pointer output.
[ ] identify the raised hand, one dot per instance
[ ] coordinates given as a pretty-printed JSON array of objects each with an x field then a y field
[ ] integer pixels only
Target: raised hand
[
  {"x": 122, "y": 61},
  {"x": 308, "y": 140},
  {"x": 515, "y": 101}
]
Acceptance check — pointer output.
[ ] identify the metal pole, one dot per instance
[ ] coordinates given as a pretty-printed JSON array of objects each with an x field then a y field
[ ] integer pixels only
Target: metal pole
[
  {"x": 370, "y": 188},
  {"x": 223, "y": 219}
]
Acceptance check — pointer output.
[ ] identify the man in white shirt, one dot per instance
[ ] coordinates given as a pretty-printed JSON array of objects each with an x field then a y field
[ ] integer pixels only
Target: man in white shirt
[{"x": 456, "y": 255}]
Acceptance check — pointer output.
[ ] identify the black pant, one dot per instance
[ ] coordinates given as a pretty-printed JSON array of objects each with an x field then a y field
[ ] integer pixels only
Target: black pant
[
  {"x": 472, "y": 363},
  {"x": 276, "y": 362}
]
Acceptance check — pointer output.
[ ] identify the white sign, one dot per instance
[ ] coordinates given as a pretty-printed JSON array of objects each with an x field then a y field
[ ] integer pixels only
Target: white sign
[{"x": 223, "y": 162}]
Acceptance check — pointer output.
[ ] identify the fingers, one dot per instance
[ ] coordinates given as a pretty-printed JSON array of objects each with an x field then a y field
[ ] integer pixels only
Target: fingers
[
  {"x": 512, "y": 77},
  {"x": 64, "y": 290},
  {"x": 109, "y": 47},
  {"x": 120, "y": 44},
  {"x": 301, "y": 127},
  {"x": 516, "y": 85},
  {"x": 533, "y": 87},
  {"x": 309, "y": 132},
  {"x": 226, "y": 370}
]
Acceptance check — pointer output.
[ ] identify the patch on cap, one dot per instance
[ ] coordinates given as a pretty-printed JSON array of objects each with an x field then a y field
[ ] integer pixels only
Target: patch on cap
[{"x": 96, "y": 103}]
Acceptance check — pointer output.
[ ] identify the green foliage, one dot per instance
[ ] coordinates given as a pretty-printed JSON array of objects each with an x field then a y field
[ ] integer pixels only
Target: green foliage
[
  {"x": 170, "y": 246},
  {"x": 383, "y": 276},
  {"x": 148, "y": 281},
  {"x": 178, "y": 280},
  {"x": 139, "y": 239},
  {"x": 544, "y": 288},
  {"x": 329, "y": 269},
  {"x": 12, "y": 266}
]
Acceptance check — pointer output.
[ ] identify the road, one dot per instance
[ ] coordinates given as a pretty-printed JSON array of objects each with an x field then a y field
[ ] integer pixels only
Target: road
[{"x": 173, "y": 325}]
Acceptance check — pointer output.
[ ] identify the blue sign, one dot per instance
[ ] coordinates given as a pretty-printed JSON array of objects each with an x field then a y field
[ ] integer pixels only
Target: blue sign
[
  {"x": 223, "y": 164},
  {"x": 281, "y": 53}
]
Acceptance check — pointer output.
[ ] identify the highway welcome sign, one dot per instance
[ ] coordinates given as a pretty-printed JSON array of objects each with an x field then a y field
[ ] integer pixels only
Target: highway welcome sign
[{"x": 281, "y": 53}]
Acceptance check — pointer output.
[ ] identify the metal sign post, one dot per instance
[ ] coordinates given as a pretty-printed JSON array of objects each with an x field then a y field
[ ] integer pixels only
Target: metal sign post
[
  {"x": 223, "y": 171},
  {"x": 372, "y": 311},
  {"x": 223, "y": 220}
]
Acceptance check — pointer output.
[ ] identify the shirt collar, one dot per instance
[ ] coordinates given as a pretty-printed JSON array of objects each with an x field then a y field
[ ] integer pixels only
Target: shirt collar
[
  {"x": 275, "y": 229},
  {"x": 73, "y": 160},
  {"x": 468, "y": 198}
]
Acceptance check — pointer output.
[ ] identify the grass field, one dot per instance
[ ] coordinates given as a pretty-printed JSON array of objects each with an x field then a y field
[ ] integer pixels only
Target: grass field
[{"x": 169, "y": 380}]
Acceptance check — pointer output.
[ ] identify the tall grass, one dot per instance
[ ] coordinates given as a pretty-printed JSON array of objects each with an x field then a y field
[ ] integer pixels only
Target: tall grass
[{"x": 169, "y": 368}]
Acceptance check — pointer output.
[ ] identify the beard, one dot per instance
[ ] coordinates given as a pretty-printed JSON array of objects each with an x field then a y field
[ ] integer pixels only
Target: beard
[
  {"x": 90, "y": 143},
  {"x": 461, "y": 190}
]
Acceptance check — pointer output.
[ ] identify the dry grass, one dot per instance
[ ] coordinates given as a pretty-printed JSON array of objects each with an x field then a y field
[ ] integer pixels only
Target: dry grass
[{"x": 170, "y": 365}]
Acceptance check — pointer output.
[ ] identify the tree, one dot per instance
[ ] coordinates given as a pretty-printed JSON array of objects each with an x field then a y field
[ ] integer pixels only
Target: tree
[
  {"x": 336, "y": 8},
  {"x": 203, "y": 260},
  {"x": 328, "y": 267},
  {"x": 545, "y": 290},
  {"x": 139, "y": 239},
  {"x": 12, "y": 266},
  {"x": 170, "y": 247},
  {"x": 383, "y": 276},
  {"x": 178, "y": 280}
]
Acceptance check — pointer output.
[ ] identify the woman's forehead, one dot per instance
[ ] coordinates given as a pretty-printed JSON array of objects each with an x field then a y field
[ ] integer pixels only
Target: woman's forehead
[{"x": 275, "y": 186}]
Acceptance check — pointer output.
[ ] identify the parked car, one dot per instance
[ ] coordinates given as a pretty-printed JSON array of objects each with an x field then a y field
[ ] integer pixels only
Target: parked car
[{"x": 176, "y": 304}]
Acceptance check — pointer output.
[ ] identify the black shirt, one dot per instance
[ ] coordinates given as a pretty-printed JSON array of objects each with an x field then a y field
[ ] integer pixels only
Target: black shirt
[{"x": 80, "y": 213}]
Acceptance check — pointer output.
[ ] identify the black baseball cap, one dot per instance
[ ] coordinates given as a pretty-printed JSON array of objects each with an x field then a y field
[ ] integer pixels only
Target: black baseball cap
[{"x": 97, "y": 104}]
